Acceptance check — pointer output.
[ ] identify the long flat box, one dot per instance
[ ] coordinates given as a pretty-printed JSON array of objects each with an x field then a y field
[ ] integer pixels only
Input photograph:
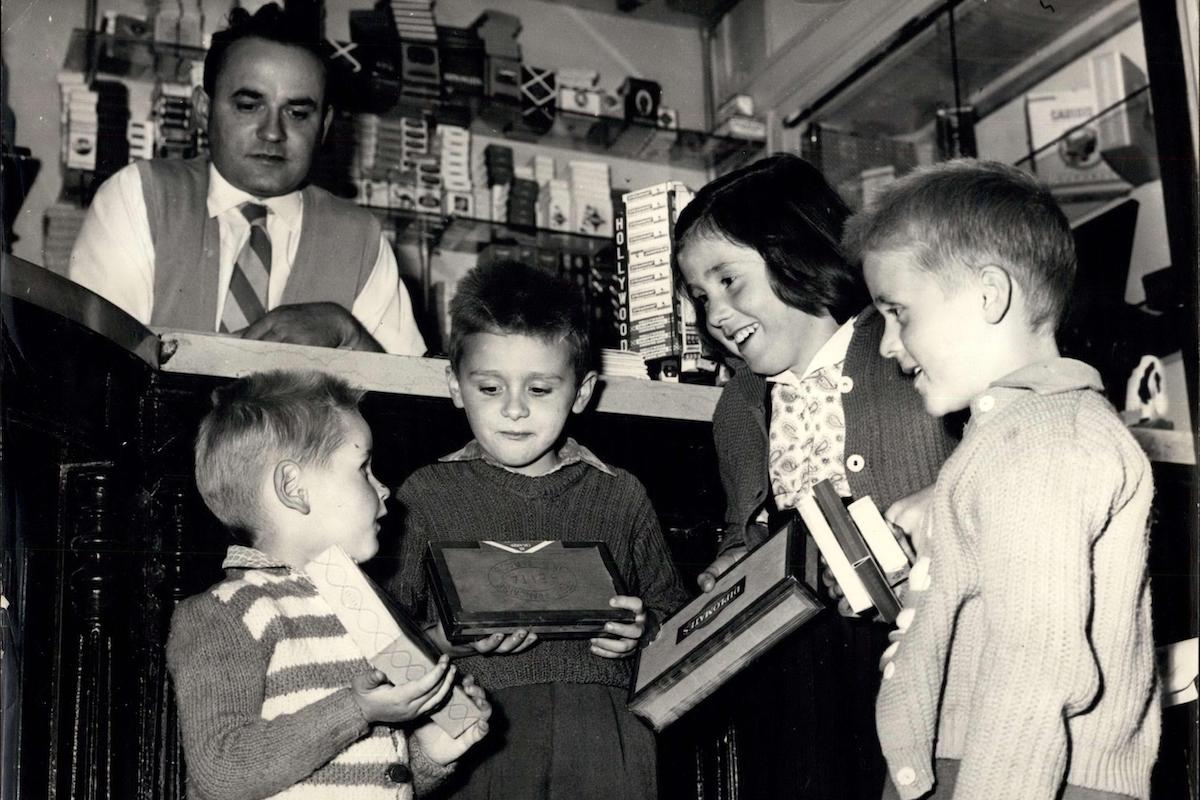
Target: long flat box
[
  {"x": 756, "y": 603},
  {"x": 391, "y": 642},
  {"x": 555, "y": 589}
]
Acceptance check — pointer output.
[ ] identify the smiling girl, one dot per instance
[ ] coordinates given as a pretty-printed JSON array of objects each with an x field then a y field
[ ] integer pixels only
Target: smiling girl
[{"x": 811, "y": 399}]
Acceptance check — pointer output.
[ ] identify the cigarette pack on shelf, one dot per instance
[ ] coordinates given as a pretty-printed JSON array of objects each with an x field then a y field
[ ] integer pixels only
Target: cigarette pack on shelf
[
  {"x": 738, "y": 105},
  {"x": 538, "y": 98},
  {"x": 61, "y": 227},
  {"x": 172, "y": 113},
  {"x": 641, "y": 99},
  {"x": 554, "y": 205},
  {"x": 756, "y": 603},
  {"x": 499, "y": 33},
  {"x": 1070, "y": 164},
  {"x": 414, "y": 20},
  {"x": 591, "y": 197},
  {"x": 738, "y": 127},
  {"x": 461, "y": 56},
  {"x": 391, "y": 642},
  {"x": 1126, "y": 130}
]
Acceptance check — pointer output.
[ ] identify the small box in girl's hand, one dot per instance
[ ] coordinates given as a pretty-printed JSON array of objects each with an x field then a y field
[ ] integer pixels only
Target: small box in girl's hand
[{"x": 389, "y": 640}]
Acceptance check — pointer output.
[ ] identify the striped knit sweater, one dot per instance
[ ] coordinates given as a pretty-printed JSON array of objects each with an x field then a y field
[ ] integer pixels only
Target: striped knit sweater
[
  {"x": 1027, "y": 650},
  {"x": 262, "y": 672}
]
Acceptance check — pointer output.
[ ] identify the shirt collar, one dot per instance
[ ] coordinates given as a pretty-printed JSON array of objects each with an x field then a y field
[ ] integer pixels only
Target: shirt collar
[
  {"x": 224, "y": 196},
  {"x": 1052, "y": 376},
  {"x": 831, "y": 353},
  {"x": 570, "y": 453},
  {"x": 242, "y": 557},
  {"x": 1046, "y": 377}
]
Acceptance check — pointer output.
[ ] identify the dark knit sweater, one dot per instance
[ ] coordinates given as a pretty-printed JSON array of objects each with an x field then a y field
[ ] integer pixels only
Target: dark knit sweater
[
  {"x": 262, "y": 672},
  {"x": 474, "y": 501},
  {"x": 901, "y": 446}
]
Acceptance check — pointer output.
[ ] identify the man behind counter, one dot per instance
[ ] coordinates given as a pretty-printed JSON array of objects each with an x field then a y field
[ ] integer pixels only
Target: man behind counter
[{"x": 233, "y": 243}]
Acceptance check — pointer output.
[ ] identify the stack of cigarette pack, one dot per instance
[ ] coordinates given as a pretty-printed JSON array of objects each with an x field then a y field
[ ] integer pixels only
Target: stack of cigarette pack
[
  {"x": 62, "y": 224},
  {"x": 649, "y": 316},
  {"x": 454, "y": 149},
  {"x": 591, "y": 198},
  {"x": 420, "y": 72}
]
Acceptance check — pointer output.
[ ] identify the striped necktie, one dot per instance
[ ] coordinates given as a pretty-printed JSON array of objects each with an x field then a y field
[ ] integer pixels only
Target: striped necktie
[{"x": 246, "y": 300}]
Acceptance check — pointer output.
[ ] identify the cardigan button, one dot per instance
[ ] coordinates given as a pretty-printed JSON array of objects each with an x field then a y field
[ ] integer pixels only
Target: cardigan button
[
  {"x": 987, "y": 403},
  {"x": 855, "y": 463},
  {"x": 399, "y": 773},
  {"x": 905, "y": 618},
  {"x": 918, "y": 578},
  {"x": 889, "y": 670},
  {"x": 906, "y": 776},
  {"x": 846, "y": 384}
]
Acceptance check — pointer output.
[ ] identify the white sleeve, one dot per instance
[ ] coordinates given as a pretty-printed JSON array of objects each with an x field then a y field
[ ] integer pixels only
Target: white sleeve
[
  {"x": 385, "y": 310},
  {"x": 114, "y": 254}
]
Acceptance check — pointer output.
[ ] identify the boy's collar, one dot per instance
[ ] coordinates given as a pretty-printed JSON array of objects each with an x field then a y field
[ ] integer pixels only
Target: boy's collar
[
  {"x": 570, "y": 453},
  {"x": 1047, "y": 377},
  {"x": 1053, "y": 375},
  {"x": 242, "y": 557}
]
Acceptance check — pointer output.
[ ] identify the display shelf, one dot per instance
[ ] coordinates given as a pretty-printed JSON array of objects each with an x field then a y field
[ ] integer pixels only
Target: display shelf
[
  {"x": 618, "y": 138},
  {"x": 145, "y": 60},
  {"x": 469, "y": 235},
  {"x": 230, "y": 357},
  {"x": 134, "y": 59}
]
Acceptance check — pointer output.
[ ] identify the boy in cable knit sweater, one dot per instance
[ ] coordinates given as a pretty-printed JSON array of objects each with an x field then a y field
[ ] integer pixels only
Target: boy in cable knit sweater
[
  {"x": 275, "y": 700},
  {"x": 1022, "y": 665},
  {"x": 519, "y": 367}
]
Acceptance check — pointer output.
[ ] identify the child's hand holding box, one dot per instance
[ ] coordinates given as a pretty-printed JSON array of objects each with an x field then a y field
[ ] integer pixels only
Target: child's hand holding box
[{"x": 390, "y": 642}]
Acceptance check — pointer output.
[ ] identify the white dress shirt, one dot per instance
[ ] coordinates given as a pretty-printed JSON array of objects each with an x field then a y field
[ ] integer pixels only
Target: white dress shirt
[{"x": 114, "y": 256}]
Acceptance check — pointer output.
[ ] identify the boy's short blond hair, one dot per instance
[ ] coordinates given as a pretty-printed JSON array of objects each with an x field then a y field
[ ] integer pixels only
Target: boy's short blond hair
[
  {"x": 258, "y": 420},
  {"x": 971, "y": 213}
]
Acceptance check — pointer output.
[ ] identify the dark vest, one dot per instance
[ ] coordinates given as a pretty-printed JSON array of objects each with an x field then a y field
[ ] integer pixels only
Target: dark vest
[{"x": 339, "y": 244}]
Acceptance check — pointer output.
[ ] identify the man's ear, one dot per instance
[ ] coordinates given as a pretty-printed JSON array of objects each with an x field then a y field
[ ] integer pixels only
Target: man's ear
[
  {"x": 997, "y": 291},
  {"x": 452, "y": 385},
  {"x": 200, "y": 104},
  {"x": 289, "y": 488},
  {"x": 583, "y": 394}
]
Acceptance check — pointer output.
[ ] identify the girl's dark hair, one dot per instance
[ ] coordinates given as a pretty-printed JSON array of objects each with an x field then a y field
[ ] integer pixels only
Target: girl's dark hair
[{"x": 783, "y": 208}]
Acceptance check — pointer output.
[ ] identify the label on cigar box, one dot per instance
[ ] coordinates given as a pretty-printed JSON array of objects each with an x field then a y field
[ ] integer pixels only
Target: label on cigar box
[
  {"x": 555, "y": 589},
  {"x": 392, "y": 643},
  {"x": 757, "y": 602}
]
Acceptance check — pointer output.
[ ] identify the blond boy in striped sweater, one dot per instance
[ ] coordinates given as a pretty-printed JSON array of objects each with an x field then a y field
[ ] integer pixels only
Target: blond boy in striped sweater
[{"x": 274, "y": 698}]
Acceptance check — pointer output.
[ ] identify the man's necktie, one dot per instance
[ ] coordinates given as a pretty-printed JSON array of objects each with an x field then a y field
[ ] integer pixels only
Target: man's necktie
[{"x": 246, "y": 300}]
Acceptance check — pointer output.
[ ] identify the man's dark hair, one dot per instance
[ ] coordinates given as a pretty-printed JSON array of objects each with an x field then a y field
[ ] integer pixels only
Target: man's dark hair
[
  {"x": 299, "y": 25},
  {"x": 512, "y": 297}
]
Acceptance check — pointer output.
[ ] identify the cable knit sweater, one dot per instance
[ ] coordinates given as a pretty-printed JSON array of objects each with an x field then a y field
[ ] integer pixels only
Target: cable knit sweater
[
  {"x": 473, "y": 501},
  {"x": 262, "y": 673},
  {"x": 899, "y": 446},
  {"x": 1028, "y": 651}
]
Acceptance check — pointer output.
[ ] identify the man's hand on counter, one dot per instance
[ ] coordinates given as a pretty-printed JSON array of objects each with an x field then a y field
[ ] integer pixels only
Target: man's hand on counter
[{"x": 315, "y": 324}]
